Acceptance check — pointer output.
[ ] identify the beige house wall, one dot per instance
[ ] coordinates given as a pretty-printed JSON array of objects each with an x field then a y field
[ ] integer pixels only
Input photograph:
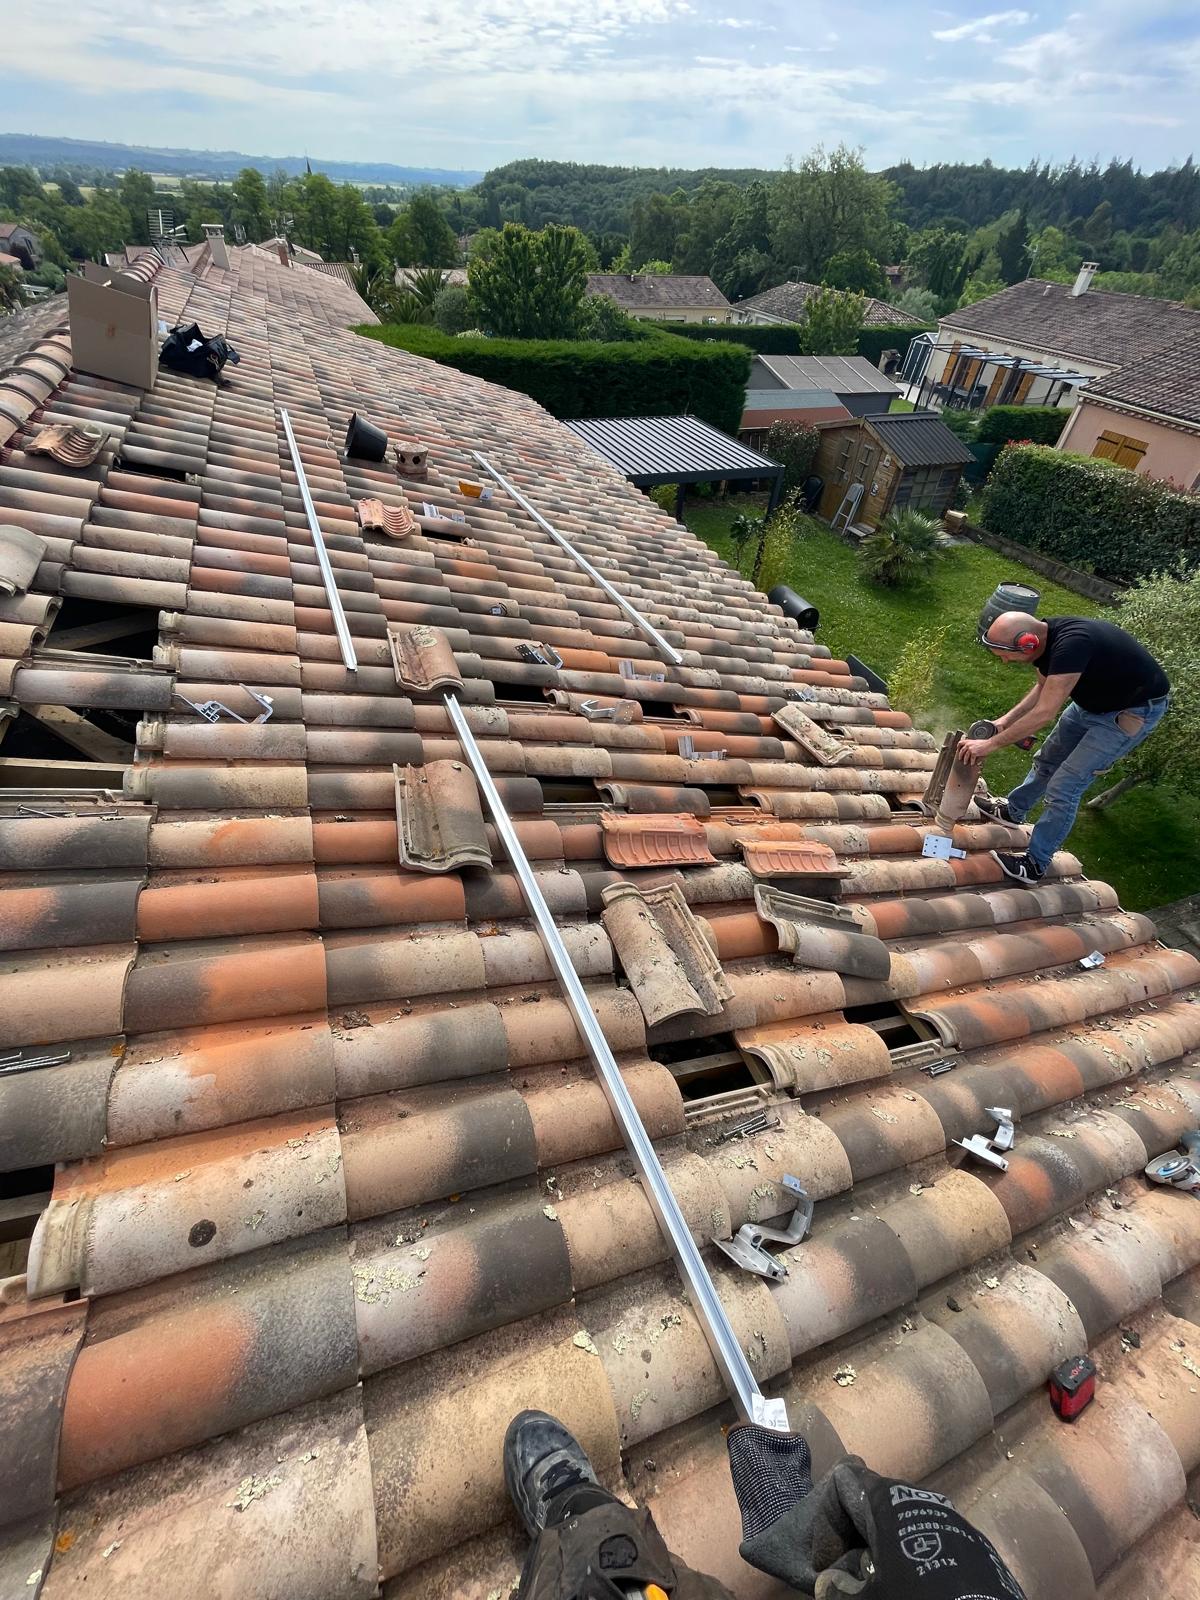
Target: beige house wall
[
  {"x": 683, "y": 314},
  {"x": 1172, "y": 452}
]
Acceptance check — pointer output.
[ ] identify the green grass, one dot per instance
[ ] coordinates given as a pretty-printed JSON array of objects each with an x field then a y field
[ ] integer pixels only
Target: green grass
[
  {"x": 1144, "y": 845},
  {"x": 901, "y": 405}
]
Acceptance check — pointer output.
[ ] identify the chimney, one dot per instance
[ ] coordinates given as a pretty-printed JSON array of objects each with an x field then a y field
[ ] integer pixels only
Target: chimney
[
  {"x": 214, "y": 233},
  {"x": 285, "y": 255},
  {"x": 633, "y": 277},
  {"x": 1084, "y": 281}
]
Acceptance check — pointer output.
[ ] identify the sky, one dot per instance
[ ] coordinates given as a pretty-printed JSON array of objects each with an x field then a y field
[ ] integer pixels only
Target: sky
[{"x": 475, "y": 83}]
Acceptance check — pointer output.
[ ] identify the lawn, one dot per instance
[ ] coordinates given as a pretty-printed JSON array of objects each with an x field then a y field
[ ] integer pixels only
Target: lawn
[{"x": 1144, "y": 845}]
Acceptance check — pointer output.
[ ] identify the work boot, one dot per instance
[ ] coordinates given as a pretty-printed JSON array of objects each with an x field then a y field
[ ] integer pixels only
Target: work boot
[
  {"x": 1019, "y": 868},
  {"x": 542, "y": 1462},
  {"x": 996, "y": 807}
]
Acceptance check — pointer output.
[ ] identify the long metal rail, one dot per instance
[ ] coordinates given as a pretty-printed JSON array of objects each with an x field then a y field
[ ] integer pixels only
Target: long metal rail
[
  {"x": 751, "y": 1403},
  {"x": 668, "y": 651},
  {"x": 341, "y": 626}
]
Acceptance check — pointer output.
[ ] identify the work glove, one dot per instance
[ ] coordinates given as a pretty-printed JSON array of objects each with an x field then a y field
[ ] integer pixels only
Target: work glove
[{"x": 855, "y": 1533}]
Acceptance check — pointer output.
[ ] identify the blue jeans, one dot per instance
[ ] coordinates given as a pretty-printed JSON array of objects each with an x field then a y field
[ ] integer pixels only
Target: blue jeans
[{"x": 1081, "y": 746}]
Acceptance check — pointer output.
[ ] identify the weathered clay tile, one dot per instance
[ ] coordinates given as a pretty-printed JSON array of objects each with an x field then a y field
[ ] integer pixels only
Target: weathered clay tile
[
  {"x": 649, "y": 841},
  {"x": 816, "y": 934},
  {"x": 670, "y": 964},
  {"x": 439, "y": 818},
  {"x": 423, "y": 660}
]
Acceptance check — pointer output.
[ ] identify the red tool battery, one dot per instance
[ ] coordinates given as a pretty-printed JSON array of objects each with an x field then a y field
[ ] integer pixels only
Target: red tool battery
[{"x": 1072, "y": 1386}]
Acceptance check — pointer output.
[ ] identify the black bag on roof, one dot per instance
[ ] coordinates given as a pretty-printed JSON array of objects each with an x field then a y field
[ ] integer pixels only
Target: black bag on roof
[{"x": 187, "y": 350}]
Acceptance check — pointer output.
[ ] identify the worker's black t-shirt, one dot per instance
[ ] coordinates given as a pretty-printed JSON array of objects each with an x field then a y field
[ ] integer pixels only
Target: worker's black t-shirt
[{"x": 1115, "y": 671}]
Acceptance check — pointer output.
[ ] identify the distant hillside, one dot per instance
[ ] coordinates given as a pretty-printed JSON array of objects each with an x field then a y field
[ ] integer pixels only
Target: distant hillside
[{"x": 22, "y": 149}]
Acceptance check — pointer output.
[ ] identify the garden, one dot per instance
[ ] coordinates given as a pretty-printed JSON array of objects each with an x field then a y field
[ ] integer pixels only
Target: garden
[{"x": 920, "y": 635}]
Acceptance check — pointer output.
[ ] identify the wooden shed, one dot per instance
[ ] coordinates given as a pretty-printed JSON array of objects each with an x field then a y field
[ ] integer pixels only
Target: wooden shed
[{"x": 905, "y": 458}]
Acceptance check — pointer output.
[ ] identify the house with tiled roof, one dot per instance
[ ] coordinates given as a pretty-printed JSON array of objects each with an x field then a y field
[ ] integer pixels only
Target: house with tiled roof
[
  {"x": 664, "y": 297},
  {"x": 786, "y": 303},
  {"x": 310, "y": 1183},
  {"x": 1040, "y": 343}
]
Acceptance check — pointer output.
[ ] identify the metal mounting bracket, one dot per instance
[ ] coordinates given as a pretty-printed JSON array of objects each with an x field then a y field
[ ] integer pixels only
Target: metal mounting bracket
[{"x": 745, "y": 1249}]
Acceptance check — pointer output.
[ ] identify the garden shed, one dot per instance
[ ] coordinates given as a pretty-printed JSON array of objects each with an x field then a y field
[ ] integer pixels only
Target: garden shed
[
  {"x": 684, "y": 450},
  {"x": 903, "y": 459}
]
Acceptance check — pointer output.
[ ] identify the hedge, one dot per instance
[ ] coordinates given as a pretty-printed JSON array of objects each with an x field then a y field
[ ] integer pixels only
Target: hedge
[
  {"x": 657, "y": 375},
  {"x": 1037, "y": 424},
  {"x": 783, "y": 339},
  {"x": 764, "y": 339},
  {"x": 1091, "y": 513}
]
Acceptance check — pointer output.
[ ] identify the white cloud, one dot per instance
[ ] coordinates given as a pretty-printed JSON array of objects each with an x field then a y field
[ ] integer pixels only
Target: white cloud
[{"x": 980, "y": 30}]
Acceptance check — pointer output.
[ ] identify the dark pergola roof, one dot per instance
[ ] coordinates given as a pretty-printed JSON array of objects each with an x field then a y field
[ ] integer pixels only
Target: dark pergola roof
[{"x": 654, "y": 450}]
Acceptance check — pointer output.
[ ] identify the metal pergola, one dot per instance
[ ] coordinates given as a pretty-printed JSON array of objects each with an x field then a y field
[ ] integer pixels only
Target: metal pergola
[
  {"x": 650, "y": 451},
  {"x": 1018, "y": 367}
]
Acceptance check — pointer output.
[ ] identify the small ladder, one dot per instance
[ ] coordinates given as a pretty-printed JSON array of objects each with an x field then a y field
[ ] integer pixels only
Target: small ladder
[{"x": 844, "y": 515}]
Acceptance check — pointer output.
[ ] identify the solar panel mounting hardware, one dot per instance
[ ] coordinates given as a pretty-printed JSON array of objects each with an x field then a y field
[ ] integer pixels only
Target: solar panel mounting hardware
[
  {"x": 990, "y": 1148},
  {"x": 935, "y": 1069},
  {"x": 540, "y": 655},
  {"x": 641, "y": 623},
  {"x": 687, "y": 749},
  {"x": 745, "y": 1249},
  {"x": 731, "y": 1360},
  {"x": 19, "y": 1061},
  {"x": 211, "y": 710},
  {"x": 595, "y": 712},
  {"x": 629, "y": 669},
  {"x": 938, "y": 846},
  {"x": 340, "y": 626}
]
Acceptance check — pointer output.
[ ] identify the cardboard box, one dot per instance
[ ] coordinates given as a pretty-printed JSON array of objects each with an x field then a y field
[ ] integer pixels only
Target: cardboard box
[{"x": 114, "y": 327}]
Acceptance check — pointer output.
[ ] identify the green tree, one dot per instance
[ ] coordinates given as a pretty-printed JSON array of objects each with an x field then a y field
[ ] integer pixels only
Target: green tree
[
  {"x": 532, "y": 285},
  {"x": 314, "y": 199},
  {"x": 918, "y": 304},
  {"x": 1012, "y": 247},
  {"x": 137, "y": 195},
  {"x": 19, "y": 189},
  {"x": 743, "y": 253},
  {"x": 604, "y": 320},
  {"x": 937, "y": 261},
  {"x": 656, "y": 269},
  {"x": 251, "y": 205},
  {"x": 1053, "y": 256},
  {"x": 826, "y": 206},
  {"x": 69, "y": 191},
  {"x": 451, "y": 311},
  {"x": 856, "y": 270},
  {"x": 10, "y": 292},
  {"x": 832, "y": 323},
  {"x": 794, "y": 445},
  {"x": 709, "y": 216},
  {"x": 977, "y": 288},
  {"x": 1164, "y": 613},
  {"x": 421, "y": 236},
  {"x": 655, "y": 224}
]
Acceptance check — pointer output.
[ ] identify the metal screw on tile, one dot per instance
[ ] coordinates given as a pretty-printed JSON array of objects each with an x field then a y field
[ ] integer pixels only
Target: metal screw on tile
[{"x": 18, "y": 1061}]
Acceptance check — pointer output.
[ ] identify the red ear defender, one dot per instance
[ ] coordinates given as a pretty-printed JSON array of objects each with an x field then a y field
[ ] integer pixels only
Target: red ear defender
[{"x": 1026, "y": 643}]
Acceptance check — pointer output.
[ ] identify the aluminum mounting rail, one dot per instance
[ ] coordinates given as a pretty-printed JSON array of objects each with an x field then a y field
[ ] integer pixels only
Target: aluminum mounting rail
[
  {"x": 645, "y": 628},
  {"x": 341, "y": 626},
  {"x": 752, "y": 1405}
]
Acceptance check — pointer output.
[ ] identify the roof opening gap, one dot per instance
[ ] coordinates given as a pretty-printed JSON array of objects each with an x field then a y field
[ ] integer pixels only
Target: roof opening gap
[
  {"x": 708, "y": 1066},
  {"x": 892, "y": 1025},
  {"x": 96, "y": 625},
  {"x": 140, "y": 469}
]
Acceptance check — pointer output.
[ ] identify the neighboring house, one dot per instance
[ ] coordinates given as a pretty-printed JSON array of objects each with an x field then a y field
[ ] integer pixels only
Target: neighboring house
[
  {"x": 905, "y": 459},
  {"x": 663, "y": 297},
  {"x": 1145, "y": 415},
  {"x": 1038, "y": 343},
  {"x": 18, "y": 240},
  {"x": 786, "y": 303},
  {"x": 13, "y": 263}
]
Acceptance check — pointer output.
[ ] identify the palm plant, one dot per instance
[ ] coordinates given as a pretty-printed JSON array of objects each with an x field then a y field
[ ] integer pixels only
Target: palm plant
[{"x": 902, "y": 548}]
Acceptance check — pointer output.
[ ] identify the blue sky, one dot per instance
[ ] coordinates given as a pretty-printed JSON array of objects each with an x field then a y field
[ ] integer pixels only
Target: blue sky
[{"x": 474, "y": 83}]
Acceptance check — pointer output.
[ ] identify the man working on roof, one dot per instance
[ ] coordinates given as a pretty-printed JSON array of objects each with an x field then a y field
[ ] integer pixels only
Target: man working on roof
[{"x": 1118, "y": 694}]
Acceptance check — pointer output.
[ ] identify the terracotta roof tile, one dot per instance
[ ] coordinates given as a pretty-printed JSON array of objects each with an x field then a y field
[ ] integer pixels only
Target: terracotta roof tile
[{"x": 305, "y": 1078}]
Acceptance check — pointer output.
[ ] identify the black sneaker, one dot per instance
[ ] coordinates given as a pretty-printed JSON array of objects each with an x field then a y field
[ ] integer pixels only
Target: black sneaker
[
  {"x": 1019, "y": 868},
  {"x": 542, "y": 1460},
  {"x": 996, "y": 807}
]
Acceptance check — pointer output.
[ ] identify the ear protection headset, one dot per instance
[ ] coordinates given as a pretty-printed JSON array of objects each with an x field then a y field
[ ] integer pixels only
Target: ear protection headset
[{"x": 1023, "y": 645}]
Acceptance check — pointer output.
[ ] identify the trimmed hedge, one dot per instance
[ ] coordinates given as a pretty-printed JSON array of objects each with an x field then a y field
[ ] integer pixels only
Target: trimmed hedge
[
  {"x": 1036, "y": 424},
  {"x": 872, "y": 342},
  {"x": 658, "y": 375},
  {"x": 1091, "y": 513},
  {"x": 764, "y": 339}
]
